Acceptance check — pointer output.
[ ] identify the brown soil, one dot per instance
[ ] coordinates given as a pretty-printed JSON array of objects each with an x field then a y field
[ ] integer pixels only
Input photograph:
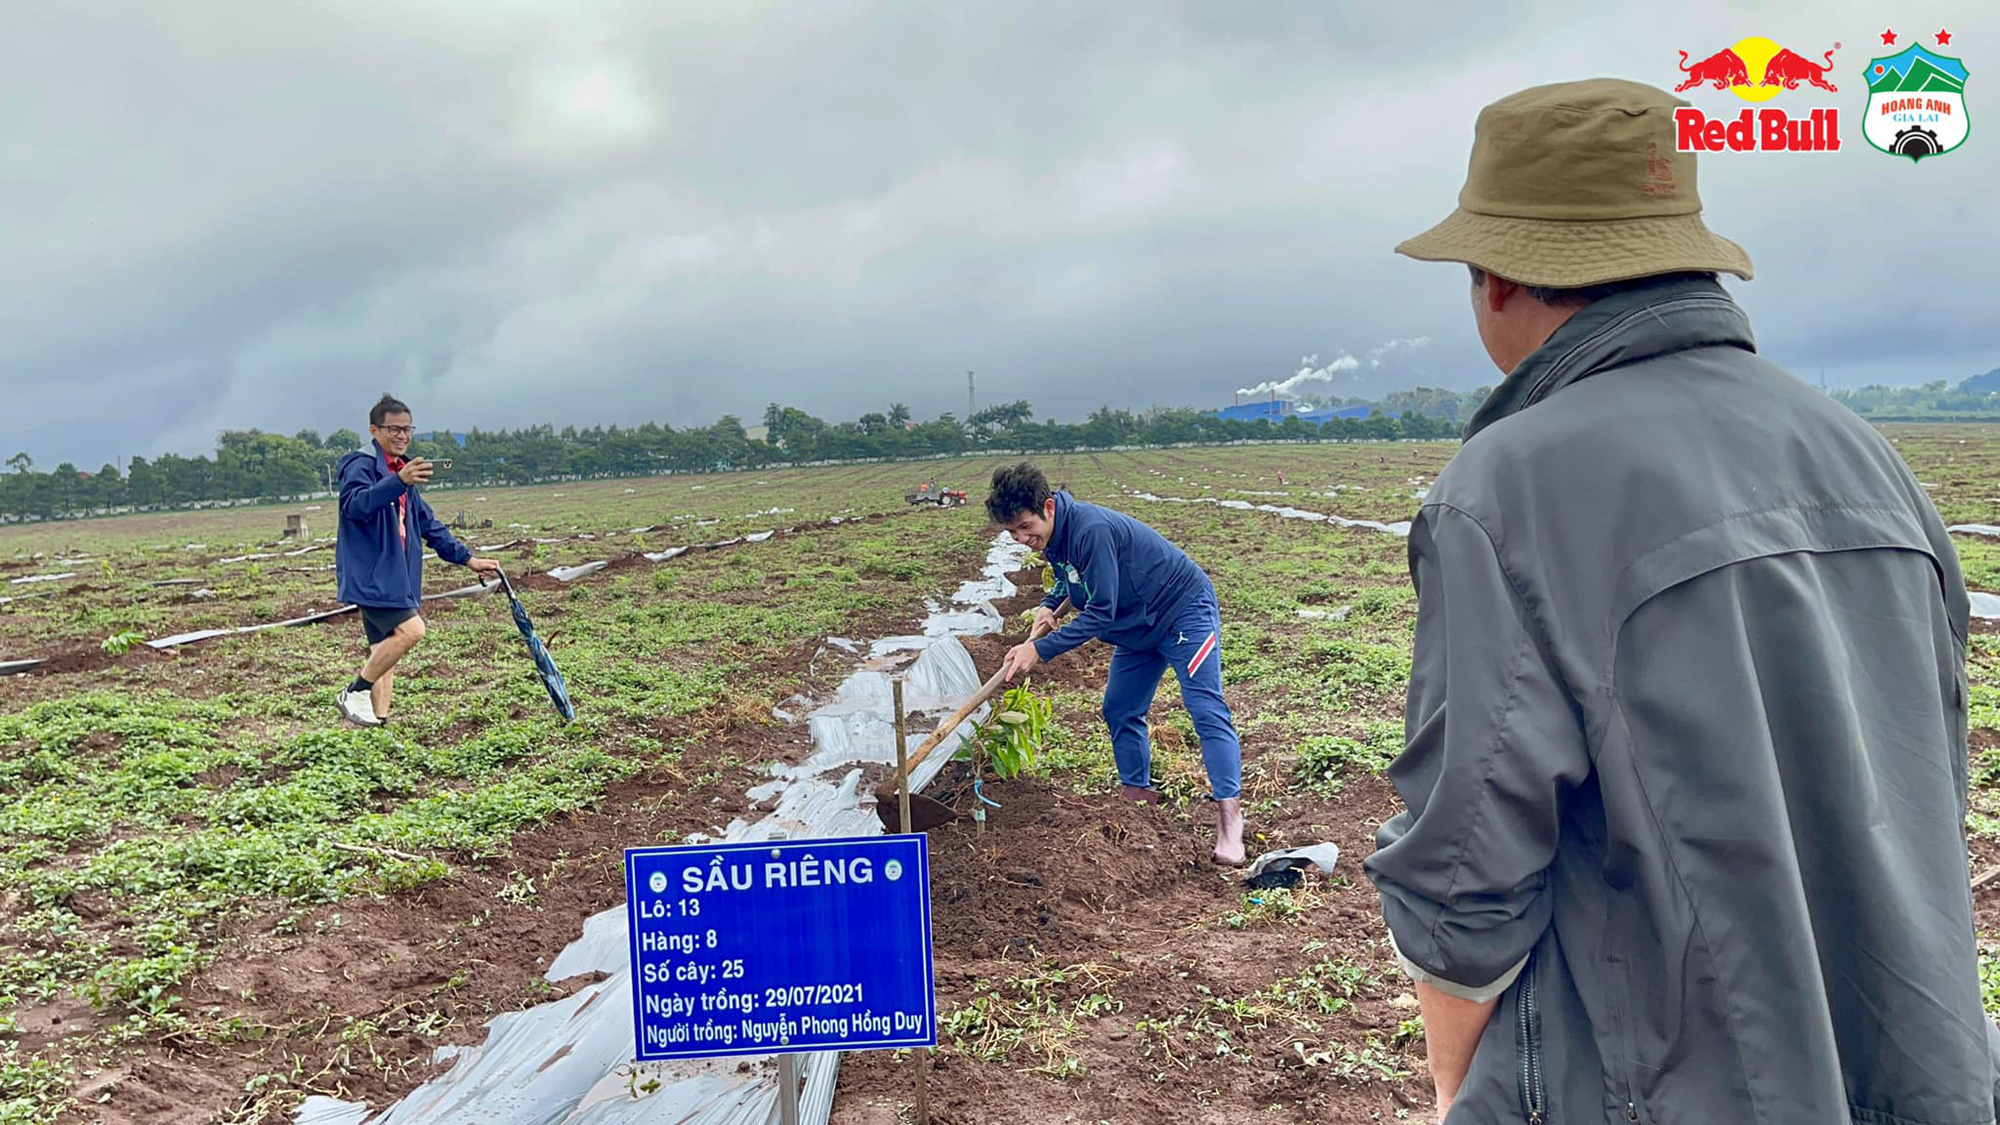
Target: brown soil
[
  {"x": 351, "y": 999},
  {"x": 425, "y": 968},
  {"x": 1985, "y": 853},
  {"x": 72, "y": 661},
  {"x": 1058, "y": 879}
]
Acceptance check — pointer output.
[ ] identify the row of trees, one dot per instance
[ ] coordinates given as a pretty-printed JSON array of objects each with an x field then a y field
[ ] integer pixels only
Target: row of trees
[
  {"x": 797, "y": 437},
  {"x": 252, "y": 465},
  {"x": 248, "y": 465},
  {"x": 1432, "y": 402},
  {"x": 1976, "y": 399}
]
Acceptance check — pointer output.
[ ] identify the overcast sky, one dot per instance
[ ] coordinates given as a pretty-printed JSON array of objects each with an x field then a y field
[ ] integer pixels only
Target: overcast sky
[{"x": 234, "y": 215}]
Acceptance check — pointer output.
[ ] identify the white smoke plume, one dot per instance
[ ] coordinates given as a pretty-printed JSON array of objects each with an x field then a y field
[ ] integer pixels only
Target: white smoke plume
[
  {"x": 1307, "y": 373},
  {"x": 1375, "y": 355}
]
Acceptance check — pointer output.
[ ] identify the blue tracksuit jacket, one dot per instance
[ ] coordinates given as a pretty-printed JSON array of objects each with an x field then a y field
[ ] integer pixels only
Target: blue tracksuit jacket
[
  {"x": 376, "y": 565},
  {"x": 1127, "y": 583}
]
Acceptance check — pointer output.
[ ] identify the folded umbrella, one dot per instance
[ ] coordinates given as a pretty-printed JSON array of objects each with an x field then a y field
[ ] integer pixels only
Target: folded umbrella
[{"x": 545, "y": 665}]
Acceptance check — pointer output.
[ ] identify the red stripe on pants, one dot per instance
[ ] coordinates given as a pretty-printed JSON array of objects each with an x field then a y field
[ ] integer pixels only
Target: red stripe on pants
[{"x": 1207, "y": 647}]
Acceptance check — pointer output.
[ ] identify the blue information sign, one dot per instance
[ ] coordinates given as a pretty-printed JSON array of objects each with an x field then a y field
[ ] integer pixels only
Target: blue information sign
[{"x": 780, "y": 947}]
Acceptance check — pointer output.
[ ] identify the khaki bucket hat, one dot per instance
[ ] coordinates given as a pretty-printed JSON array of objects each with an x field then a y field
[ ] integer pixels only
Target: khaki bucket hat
[{"x": 1579, "y": 183}]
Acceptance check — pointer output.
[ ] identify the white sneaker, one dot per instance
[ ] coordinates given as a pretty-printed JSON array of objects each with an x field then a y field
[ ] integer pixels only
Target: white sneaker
[{"x": 359, "y": 708}]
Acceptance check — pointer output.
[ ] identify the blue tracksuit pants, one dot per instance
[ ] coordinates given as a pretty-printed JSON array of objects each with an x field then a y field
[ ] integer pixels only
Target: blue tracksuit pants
[{"x": 1193, "y": 647}]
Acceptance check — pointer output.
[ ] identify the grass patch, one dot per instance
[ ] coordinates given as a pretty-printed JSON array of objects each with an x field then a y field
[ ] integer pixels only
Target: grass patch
[
  {"x": 1326, "y": 761},
  {"x": 1029, "y": 1021}
]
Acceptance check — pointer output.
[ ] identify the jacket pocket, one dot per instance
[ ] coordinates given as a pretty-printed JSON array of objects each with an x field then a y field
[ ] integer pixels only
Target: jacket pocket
[{"x": 1534, "y": 1095}]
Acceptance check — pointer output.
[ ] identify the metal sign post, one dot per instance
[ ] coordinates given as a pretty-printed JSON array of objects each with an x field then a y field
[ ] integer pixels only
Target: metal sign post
[
  {"x": 903, "y": 794},
  {"x": 788, "y": 1090}
]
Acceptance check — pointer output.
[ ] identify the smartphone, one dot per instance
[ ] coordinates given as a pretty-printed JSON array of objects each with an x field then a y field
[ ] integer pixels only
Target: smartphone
[{"x": 441, "y": 466}]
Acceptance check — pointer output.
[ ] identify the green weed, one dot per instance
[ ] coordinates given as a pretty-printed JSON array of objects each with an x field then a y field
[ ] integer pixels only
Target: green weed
[
  {"x": 1033, "y": 1018},
  {"x": 1325, "y": 761}
]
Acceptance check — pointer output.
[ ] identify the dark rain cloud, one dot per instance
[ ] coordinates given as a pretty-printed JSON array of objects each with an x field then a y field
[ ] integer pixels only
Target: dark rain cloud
[{"x": 233, "y": 215}]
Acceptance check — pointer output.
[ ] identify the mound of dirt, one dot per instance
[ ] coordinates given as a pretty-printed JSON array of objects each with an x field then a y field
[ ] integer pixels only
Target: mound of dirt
[
  {"x": 1160, "y": 1000},
  {"x": 994, "y": 900}
]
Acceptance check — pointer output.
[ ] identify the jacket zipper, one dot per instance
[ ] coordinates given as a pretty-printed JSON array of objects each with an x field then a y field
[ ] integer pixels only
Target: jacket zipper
[
  {"x": 1623, "y": 1017},
  {"x": 1532, "y": 1099}
]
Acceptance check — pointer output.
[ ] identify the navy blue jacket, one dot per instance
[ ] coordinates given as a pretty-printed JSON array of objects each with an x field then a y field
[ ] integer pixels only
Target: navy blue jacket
[
  {"x": 375, "y": 565},
  {"x": 1127, "y": 583}
]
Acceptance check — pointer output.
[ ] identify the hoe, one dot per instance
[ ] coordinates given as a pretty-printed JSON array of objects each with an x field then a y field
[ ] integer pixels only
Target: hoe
[{"x": 926, "y": 813}]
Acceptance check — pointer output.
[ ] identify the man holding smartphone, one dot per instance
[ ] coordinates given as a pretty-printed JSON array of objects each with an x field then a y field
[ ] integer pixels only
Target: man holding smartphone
[{"x": 379, "y": 557}]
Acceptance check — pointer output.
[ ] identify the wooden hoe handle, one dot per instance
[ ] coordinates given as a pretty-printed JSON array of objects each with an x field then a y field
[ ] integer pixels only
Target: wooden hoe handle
[{"x": 986, "y": 691}]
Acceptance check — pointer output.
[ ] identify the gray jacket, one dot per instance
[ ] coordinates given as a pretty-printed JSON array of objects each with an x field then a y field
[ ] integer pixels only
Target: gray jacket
[{"x": 1686, "y": 732}]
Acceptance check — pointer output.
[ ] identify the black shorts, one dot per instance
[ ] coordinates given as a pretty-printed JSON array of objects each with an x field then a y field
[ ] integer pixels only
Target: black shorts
[{"x": 378, "y": 622}]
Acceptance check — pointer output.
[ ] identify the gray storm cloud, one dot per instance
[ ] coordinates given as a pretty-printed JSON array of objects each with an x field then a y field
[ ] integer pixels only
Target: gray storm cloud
[{"x": 245, "y": 214}]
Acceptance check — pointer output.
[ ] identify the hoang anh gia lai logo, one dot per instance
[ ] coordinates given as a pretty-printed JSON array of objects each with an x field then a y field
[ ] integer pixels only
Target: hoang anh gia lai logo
[
  {"x": 1757, "y": 70},
  {"x": 1916, "y": 101}
]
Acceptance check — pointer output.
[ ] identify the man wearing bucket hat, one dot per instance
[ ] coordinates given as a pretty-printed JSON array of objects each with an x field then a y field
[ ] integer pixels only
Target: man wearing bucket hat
[{"x": 1685, "y": 762}]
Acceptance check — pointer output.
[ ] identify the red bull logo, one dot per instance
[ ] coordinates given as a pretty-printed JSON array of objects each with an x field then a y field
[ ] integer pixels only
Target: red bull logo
[
  {"x": 1725, "y": 68},
  {"x": 1788, "y": 70},
  {"x": 1757, "y": 70}
]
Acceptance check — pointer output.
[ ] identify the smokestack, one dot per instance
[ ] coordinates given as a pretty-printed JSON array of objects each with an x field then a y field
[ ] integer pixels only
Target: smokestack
[{"x": 1239, "y": 398}]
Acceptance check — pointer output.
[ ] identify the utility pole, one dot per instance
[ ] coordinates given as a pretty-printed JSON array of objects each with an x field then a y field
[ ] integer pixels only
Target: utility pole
[{"x": 968, "y": 397}]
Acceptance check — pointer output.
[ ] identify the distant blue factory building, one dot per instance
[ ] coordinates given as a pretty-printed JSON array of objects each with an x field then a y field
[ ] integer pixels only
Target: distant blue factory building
[
  {"x": 1280, "y": 409},
  {"x": 1266, "y": 410},
  {"x": 1321, "y": 417}
]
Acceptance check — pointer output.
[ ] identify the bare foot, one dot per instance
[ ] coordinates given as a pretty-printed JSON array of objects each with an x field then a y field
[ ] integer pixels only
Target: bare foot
[
  {"x": 1229, "y": 833},
  {"x": 1140, "y": 794}
]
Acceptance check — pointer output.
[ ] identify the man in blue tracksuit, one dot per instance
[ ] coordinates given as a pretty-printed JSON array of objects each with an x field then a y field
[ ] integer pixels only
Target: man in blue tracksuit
[
  {"x": 379, "y": 554},
  {"x": 1146, "y": 598}
]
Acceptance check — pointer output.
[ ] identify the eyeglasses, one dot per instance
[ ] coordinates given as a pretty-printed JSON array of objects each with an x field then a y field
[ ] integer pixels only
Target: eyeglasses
[{"x": 399, "y": 431}]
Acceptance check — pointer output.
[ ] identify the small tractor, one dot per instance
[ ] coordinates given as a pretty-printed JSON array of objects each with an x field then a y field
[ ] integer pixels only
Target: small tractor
[{"x": 930, "y": 492}]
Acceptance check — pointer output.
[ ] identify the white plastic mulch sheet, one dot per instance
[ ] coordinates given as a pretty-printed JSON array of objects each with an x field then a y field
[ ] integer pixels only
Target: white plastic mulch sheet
[
  {"x": 34, "y": 578},
  {"x": 187, "y": 638},
  {"x": 569, "y": 1062},
  {"x": 572, "y": 573},
  {"x": 1400, "y": 527},
  {"x": 278, "y": 555}
]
